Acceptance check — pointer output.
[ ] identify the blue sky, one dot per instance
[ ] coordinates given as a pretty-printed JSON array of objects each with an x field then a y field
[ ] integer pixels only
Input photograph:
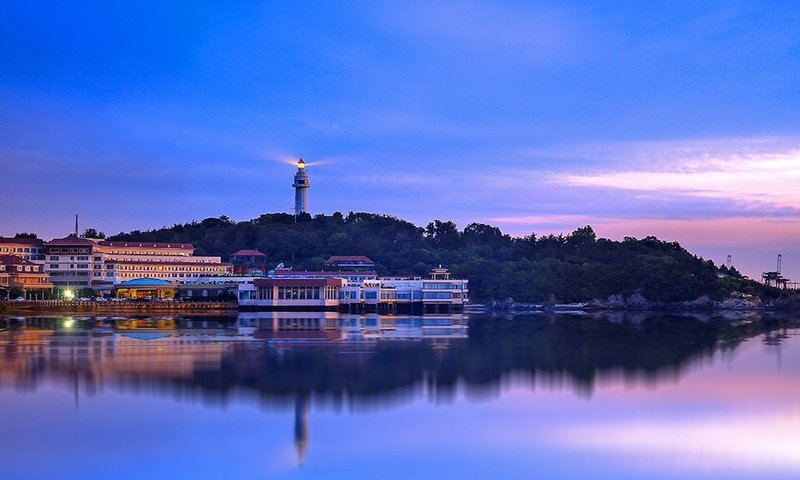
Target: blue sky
[{"x": 677, "y": 119}]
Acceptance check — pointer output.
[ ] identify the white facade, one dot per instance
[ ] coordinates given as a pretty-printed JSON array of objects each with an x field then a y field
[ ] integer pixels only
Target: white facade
[
  {"x": 75, "y": 262},
  {"x": 30, "y": 249}
]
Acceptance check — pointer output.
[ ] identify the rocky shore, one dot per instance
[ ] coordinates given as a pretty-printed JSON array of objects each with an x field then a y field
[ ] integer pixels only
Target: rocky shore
[{"x": 637, "y": 301}]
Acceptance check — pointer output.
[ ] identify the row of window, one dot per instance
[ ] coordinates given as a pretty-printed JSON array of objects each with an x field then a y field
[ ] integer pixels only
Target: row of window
[
  {"x": 442, "y": 286},
  {"x": 20, "y": 268},
  {"x": 55, "y": 258},
  {"x": 297, "y": 293},
  {"x": 159, "y": 268},
  {"x": 67, "y": 250},
  {"x": 21, "y": 250}
]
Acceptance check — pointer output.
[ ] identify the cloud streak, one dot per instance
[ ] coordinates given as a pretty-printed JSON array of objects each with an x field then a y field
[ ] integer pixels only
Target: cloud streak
[{"x": 752, "y": 176}]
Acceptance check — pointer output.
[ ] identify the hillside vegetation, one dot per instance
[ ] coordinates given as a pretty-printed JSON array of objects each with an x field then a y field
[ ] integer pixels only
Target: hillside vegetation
[{"x": 565, "y": 268}]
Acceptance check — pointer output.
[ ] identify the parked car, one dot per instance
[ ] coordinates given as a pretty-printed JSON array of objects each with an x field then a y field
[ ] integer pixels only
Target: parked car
[{"x": 19, "y": 299}]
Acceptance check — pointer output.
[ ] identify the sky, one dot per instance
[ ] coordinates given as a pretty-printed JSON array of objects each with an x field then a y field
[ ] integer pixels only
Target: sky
[{"x": 674, "y": 119}]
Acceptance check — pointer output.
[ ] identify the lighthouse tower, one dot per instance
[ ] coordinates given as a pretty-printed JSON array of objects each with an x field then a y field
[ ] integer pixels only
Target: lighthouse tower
[{"x": 300, "y": 188}]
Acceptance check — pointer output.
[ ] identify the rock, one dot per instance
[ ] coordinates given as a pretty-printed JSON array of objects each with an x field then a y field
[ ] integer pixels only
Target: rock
[
  {"x": 637, "y": 300},
  {"x": 616, "y": 301},
  {"x": 702, "y": 303},
  {"x": 741, "y": 302},
  {"x": 736, "y": 304},
  {"x": 597, "y": 304}
]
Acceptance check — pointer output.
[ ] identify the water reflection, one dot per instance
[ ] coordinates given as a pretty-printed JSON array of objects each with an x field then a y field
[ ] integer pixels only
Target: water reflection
[
  {"x": 298, "y": 361},
  {"x": 365, "y": 359}
]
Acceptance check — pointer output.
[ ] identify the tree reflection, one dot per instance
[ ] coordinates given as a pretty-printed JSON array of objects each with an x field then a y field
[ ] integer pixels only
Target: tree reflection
[{"x": 209, "y": 359}]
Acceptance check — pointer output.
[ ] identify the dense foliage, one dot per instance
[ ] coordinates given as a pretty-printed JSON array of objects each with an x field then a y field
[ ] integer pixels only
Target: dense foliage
[{"x": 565, "y": 268}]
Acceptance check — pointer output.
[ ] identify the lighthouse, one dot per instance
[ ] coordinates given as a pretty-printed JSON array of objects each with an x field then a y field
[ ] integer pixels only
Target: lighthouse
[{"x": 300, "y": 188}]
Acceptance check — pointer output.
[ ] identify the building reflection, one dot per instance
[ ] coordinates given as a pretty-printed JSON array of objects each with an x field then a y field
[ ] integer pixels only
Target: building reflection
[{"x": 291, "y": 358}]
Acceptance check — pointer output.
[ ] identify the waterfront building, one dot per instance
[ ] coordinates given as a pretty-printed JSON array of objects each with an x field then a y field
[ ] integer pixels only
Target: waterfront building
[
  {"x": 145, "y": 288},
  {"x": 351, "y": 276},
  {"x": 69, "y": 262},
  {"x": 355, "y": 292},
  {"x": 301, "y": 185},
  {"x": 77, "y": 262},
  {"x": 25, "y": 275},
  {"x": 31, "y": 249},
  {"x": 122, "y": 261},
  {"x": 354, "y": 263},
  {"x": 286, "y": 293}
]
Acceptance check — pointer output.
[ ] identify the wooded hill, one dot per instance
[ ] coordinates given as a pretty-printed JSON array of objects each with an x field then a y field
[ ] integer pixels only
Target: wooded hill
[{"x": 563, "y": 268}]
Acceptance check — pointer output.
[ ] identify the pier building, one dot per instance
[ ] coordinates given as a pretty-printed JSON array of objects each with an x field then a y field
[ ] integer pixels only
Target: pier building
[{"x": 355, "y": 292}]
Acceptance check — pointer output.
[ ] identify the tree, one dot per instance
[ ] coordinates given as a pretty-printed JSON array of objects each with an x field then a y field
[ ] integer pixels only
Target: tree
[
  {"x": 443, "y": 234},
  {"x": 92, "y": 233},
  {"x": 26, "y": 235}
]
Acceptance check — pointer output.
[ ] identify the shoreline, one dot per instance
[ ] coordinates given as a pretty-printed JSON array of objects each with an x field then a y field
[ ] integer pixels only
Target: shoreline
[{"x": 60, "y": 306}]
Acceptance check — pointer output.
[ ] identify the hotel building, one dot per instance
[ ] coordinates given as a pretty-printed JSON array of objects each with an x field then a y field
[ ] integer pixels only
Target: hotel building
[
  {"x": 75, "y": 262},
  {"x": 31, "y": 249}
]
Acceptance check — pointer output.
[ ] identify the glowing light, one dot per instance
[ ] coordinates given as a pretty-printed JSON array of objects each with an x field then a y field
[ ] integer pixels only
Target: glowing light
[
  {"x": 69, "y": 323},
  {"x": 301, "y": 164},
  {"x": 69, "y": 294}
]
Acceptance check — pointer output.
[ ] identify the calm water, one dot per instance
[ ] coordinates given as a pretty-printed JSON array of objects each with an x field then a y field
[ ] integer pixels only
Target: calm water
[{"x": 326, "y": 396}]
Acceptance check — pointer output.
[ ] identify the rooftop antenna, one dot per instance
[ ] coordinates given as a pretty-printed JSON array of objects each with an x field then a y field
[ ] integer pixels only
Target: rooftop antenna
[
  {"x": 76, "y": 224},
  {"x": 729, "y": 262},
  {"x": 780, "y": 259}
]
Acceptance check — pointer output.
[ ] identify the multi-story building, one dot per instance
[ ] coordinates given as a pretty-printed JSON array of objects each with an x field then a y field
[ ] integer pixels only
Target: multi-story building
[
  {"x": 69, "y": 262},
  {"x": 31, "y": 249},
  {"x": 76, "y": 262},
  {"x": 177, "y": 263},
  {"x": 27, "y": 276}
]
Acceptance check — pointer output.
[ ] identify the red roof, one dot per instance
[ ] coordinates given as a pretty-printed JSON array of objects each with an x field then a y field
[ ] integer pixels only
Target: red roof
[
  {"x": 14, "y": 260},
  {"x": 167, "y": 263},
  {"x": 285, "y": 272},
  {"x": 179, "y": 246},
  {"x": 297, "y": 282},
  {"x": 71, "y": 240},
  {"x": 349, "y": 258},
  {"x": 248, "y": 253},
  {"x": 22, "y": 241}
]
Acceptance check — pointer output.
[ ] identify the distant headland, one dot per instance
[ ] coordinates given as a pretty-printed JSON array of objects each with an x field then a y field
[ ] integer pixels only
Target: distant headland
[{"x": 576, "y": 267}]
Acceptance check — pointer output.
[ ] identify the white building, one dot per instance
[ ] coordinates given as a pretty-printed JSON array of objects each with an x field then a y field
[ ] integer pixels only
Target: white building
[
  {"x": 364, "y": 292},
  {"x": 76, "y": 262},
  {"x": 30, "y": 249}
]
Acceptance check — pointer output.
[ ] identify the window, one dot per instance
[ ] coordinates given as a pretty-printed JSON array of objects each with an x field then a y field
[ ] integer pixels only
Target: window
[{"x": 54, "y": 258}]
